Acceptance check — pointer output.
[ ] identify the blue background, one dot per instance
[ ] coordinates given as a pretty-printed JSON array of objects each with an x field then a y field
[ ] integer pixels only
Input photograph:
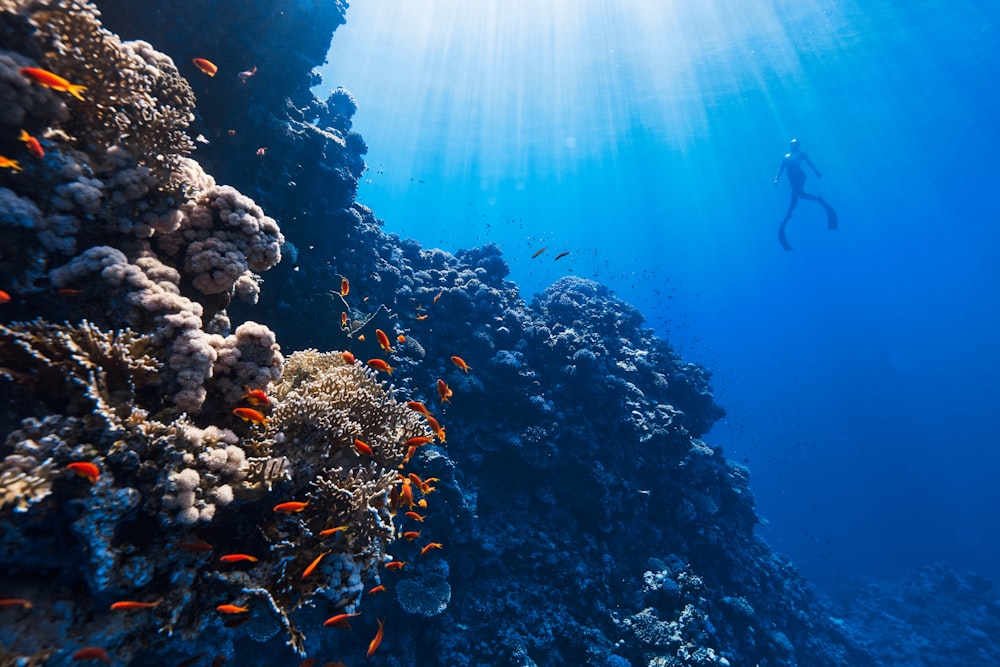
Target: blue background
[{"x": 860, "y": 370}]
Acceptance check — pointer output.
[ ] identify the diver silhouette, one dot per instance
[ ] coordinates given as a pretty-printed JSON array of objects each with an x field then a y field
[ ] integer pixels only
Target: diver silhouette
[{"x": 792, "y": 163}]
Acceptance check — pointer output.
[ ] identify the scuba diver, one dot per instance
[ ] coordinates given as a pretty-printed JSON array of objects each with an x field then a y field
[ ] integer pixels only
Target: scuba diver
[{"x": 792, "y": 163}]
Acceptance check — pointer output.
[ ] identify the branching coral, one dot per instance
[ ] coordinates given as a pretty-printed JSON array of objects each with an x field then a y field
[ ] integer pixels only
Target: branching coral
[{"x": 135, "y": 96}]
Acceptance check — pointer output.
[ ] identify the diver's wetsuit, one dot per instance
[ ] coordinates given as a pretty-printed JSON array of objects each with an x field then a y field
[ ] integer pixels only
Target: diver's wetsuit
[{"x": 792, "y": 163}]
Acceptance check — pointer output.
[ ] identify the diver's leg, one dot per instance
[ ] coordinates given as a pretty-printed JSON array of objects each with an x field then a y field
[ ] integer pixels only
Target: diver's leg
[
  {"x": 791, "y": 205},
  {"x": 831, "y": 215},
  {"x": 781, "y": 235}
]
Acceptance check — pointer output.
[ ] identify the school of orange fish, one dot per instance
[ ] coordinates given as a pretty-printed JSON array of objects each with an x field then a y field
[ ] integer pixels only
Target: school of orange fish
[{"x": 404, "y": 493}]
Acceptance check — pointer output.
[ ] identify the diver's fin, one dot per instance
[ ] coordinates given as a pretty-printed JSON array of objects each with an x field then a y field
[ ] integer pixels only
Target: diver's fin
[
  {"x": 831, "y": 217},
  {"x": 781, "y": 235}
]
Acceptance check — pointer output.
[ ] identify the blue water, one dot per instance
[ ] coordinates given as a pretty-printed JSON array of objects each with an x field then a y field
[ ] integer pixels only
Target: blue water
[{"x": 859, "y": 371}]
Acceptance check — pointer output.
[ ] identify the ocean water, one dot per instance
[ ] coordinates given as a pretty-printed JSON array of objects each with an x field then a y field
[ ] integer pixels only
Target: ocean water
[{"x": 858, "y": 370}]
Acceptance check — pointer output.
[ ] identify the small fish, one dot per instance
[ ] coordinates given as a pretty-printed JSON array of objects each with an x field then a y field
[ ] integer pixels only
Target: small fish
[
  {"x": 231, "y": 609},
  {"x": 437, "y": 296},
  {"x": 343, "y": 319},
  {"x": 206, "y": 66},
  {"x": 377, "y": 589},
  {"x": 460, "y": 362},
  {"x": 250, "y": 415},
  {"x": 415, "y": 480},
  {"x": 373, "y": 646},
  {"x": 363, "y": 448},
  {"x": 421, "y": 318},
  {"x": 361, "y": 338},
  {"x": 417, "y": 406},
  {"x": 444, "y": 391},
  {"x": 339, "y": 621},
  {"x": 238, "y": 558},
  {"x": 247, "y": 74},
  {"x": 410, "y": 451},
  {"x": 34, "y": 147},
  {"x": 290, "y": 507},
  {"x": 401, "y": 339},
  {"x": 433, "y": 423},
  {"x": 561, "y": 255},
  {"x": 92, "y": 653},
  {"x": 15, "y": 602},
  {"x": 432, "y": 545},
  {"x": 69, "y": 291},
  {"x": 232, "y": 133},
  {"x": 539, "y": 252},
  {"x": 418, "y": 441},
  {"x": 4, "y": 297},
  {"x": 313, "y": 565},
  {"x": 413, "y": 515},
  {"x": 395, "y": 565},
  {"x": 422, "y": 503},
  {"x": 380, "y": 365},
  {"x": 255, "y": 396},
  {"x": 348, "y": 357},
  {"x": 411, "y": 535},
  {"x": 196, "y": 547},
  {"x": 85, "y": 469},
  {"x": 345, "y": 287},
  {"x": 262, "y": 151},
  {"x": 333, "y": 531},
  {"x": 383, "y": 340},
  {"x": 7, "y": 163},
  {"x": 128, "y": 605},
  {"x": 46, "y": 78}
]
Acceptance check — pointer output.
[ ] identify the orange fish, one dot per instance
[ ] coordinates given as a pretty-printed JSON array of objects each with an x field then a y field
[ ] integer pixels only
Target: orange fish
[
  {"x": 437, "y": 296},
  {"x": 380, "y": 365},
  {"x": 339, "y": 621},
  {"x": 130, "y": 604},
  {"x": 444, "y": 391},
  {"x": 373, "y": 646},
  {"x": 561, "y": 255},
  {"x": 69, "y": 291},
  {"x": 414, "y": 516},
  {"x": 313, "y": 565},
  {"x": 421, "y": 318},
  {"x": 418, "y": 441},
  {"x": 290, "y": 507},
  {"x": 539, "y": 252},
  {"x": 343, "y": 319},
  {"x": 255, "y": 396},
  {"x": 410, "y": 451},
  {"x": 377, "y": 589},
  {"x": 460, "y": 362},
  {"x": 237, "y": 558},
  {"x": 46, "y": 78},
  {"x": 422, "y": 503},
  {"x": 417, "y": 406},
  {"x": 363, "y": 448},
  {"x": 411, "y": 535},
  {"x": 432, "y": 545},
  {"x": 395, "y": 565},
  {"x": 401, "y": 339},
  {"x": 361, "y": 338},
  {"x": 206, "y": 66},
  {"x": 348, "y": 357},
  {"x": 196, "y": 547},
  {"x": 34, "y": 147},
  {"x": 15, "y": 602},
  {"x": 4, "y": 297},
  {"x": 433, "y": 423},
  {"x": 6, "y": 162},
  {"x": 345, "y": 287},
  {"x": 415, "y": 478},
  {"x": 406, "y": 493},
  {"x": 333, "y": 531},
  {"x": 383, "y": 340},
  {"x": 250, "y": 415},
  {"x": 92, "y": 653},
  {"x": 86, "y": 470},
  {"x": 231, "y": 609}
]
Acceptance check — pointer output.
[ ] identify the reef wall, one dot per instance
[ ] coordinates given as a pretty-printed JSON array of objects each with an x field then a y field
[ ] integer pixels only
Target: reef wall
[{"x": 577, "y": 517}]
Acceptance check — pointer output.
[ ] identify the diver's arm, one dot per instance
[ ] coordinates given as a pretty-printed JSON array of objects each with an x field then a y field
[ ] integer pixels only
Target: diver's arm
[
  {"x": 781, "y": 170},
  {"x": 809, "y": 162}
]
